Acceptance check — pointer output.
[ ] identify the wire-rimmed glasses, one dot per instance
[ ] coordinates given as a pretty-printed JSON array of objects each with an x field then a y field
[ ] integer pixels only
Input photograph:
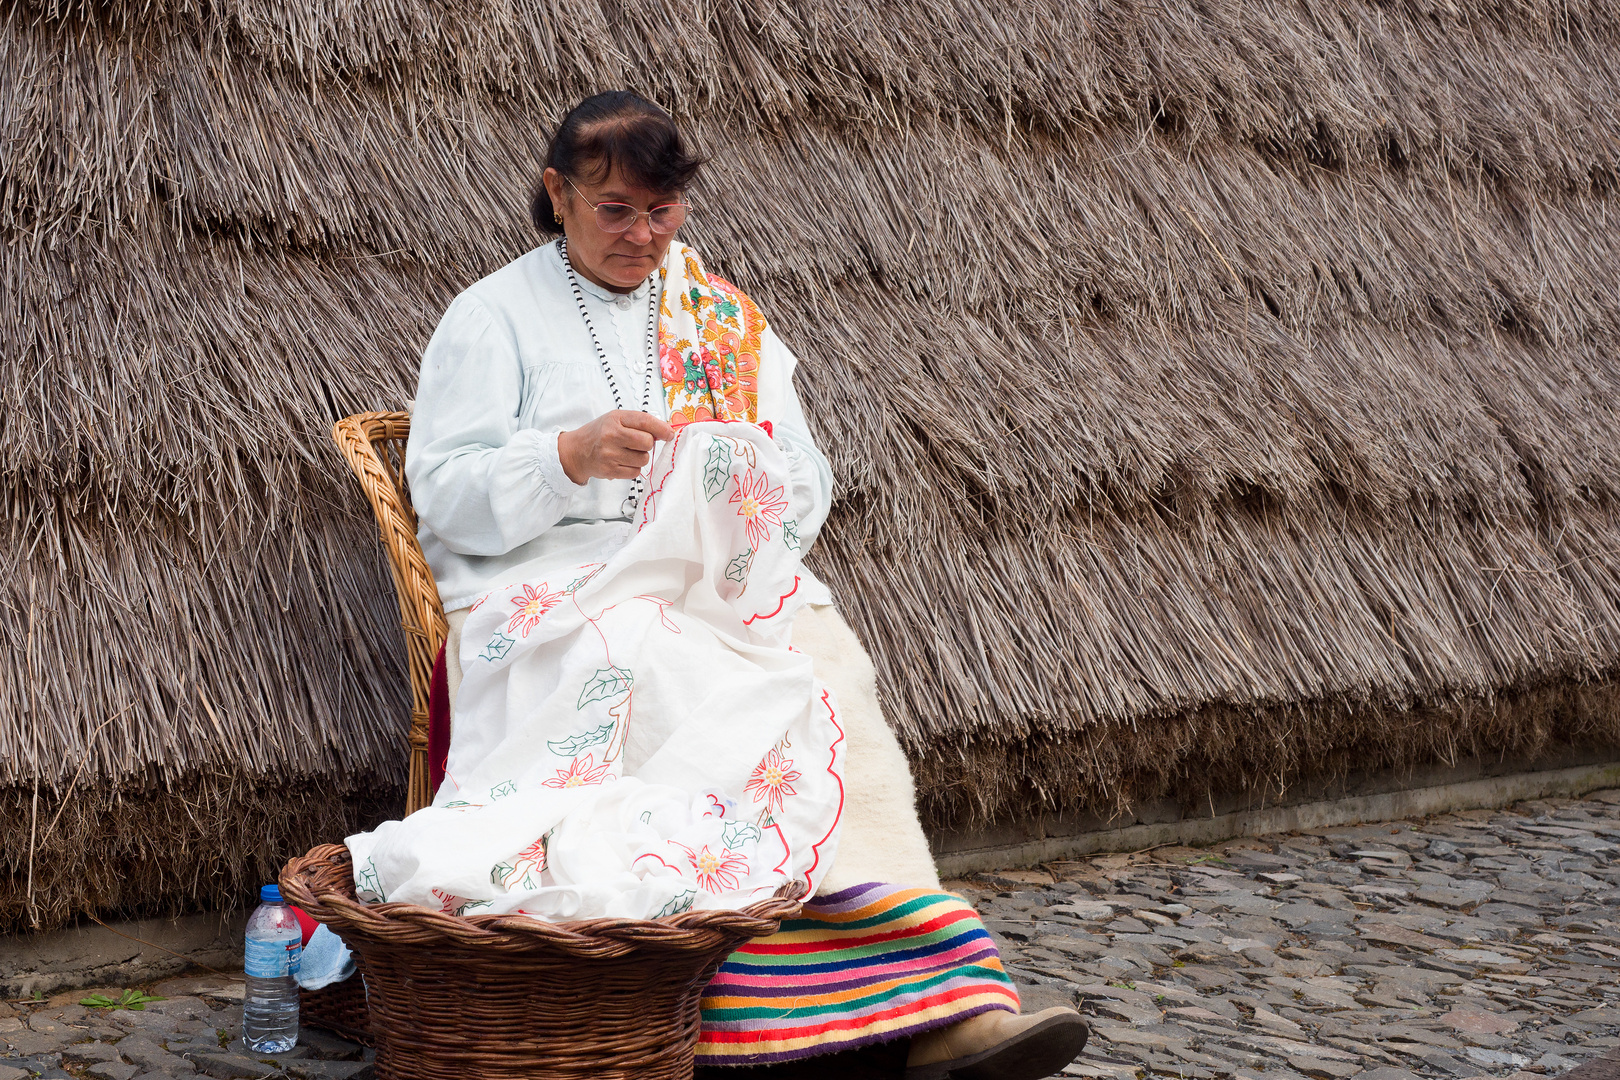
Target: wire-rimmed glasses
[{"x": 618, "y": 217}]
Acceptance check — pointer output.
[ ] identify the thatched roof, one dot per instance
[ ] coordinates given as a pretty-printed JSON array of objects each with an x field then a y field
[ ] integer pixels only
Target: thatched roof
[{"x": 1218, "y": 394}]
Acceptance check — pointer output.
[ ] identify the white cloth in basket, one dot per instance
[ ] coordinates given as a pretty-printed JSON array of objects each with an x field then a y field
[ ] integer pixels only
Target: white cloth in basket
[{"x": 636, "y": 738}]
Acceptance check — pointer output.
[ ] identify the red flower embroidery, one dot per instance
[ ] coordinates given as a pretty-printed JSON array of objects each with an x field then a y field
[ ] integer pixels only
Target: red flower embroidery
[
  {"x": 717, "y": 873},
  {"x": 532, "y": 607},
  {"x": 535, "y": 853},
  {"x": 772, "y": 779},
  {"x": 524, "y": 867},
  {"x": 580, "y": 771},
  {"x": 761, "y": 508}
]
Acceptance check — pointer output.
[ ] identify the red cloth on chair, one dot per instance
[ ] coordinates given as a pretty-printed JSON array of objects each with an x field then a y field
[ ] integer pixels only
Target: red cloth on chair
[
  {"x": 306, "y": 925},
  {"x": 438, "y": 722}
]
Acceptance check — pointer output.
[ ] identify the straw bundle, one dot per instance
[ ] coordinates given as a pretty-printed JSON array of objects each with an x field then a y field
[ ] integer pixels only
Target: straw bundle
[{"x": 1215, "y": 391}]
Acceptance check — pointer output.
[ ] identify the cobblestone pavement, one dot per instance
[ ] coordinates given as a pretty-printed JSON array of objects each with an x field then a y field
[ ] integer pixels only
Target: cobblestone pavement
[
  {"x": 1466, "y": 945},
  {"x": 1479, "y": 944},
  {"x": 195, "y": 1031}
]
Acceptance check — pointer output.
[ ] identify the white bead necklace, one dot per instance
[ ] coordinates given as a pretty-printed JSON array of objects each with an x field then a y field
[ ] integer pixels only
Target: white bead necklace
[{"x": 633, "y": 500}]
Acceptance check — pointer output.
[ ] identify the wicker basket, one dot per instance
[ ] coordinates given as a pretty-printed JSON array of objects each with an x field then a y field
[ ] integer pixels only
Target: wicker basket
[
  {"x": 340, "y": 1008},
  {"x": 501, "y": 997}
]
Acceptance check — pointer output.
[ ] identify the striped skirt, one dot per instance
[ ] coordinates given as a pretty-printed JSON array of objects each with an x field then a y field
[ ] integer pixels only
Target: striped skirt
[{"x": 862, "y": 966}]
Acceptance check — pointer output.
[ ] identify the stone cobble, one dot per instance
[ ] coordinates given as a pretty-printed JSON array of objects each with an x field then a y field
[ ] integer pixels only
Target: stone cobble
[
  {"x": 195, "y": 1031},
  {"x": 1479, "y": 944}
]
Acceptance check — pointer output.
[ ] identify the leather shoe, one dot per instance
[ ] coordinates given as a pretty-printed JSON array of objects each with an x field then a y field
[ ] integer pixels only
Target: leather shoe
[{"x": 999, "y": 1045}]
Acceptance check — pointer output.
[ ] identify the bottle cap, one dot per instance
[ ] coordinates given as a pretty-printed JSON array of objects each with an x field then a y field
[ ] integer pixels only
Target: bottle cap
[{"x": 271, "y": 894}]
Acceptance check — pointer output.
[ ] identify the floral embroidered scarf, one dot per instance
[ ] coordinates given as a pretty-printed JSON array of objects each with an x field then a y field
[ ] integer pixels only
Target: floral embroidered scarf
[{"x": 708, "y": 343}]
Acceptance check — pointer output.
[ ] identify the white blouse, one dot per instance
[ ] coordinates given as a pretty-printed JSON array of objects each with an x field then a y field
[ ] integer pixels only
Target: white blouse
[{"x": 510, "y": 366}]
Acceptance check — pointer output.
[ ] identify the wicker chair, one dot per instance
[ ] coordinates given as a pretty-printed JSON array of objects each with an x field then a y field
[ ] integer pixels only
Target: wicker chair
[
  {"x": 374, "y": 443},
  {"x": 496, "y": 997}
]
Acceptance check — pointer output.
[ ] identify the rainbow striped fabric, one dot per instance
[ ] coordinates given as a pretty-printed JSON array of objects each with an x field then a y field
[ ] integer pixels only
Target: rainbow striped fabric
[{"x": 866, "y": 965}]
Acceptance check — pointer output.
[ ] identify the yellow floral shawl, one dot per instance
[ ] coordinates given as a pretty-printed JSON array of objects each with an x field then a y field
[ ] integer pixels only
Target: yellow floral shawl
[{"x": 708, "y": 343}]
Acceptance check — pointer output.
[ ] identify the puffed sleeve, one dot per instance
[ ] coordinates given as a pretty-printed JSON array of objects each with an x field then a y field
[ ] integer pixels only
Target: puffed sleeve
[
  {"x": 480, "y": 483},
  {"x": 810, "y": 496}
]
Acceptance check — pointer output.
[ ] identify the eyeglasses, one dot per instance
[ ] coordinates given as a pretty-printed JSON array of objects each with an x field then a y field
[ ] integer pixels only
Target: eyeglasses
[{"x": 618, "y": 217}]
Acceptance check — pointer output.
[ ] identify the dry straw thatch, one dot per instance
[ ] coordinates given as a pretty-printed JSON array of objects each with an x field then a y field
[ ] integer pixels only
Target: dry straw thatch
[{"x": 1218, "y": 393}]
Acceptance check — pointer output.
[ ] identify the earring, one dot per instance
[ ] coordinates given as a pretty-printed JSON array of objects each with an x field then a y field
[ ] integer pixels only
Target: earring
[{"x": 556, "y": 217}]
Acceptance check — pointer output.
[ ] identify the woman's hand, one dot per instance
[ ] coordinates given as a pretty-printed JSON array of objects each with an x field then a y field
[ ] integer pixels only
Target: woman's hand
[{"x": 614, "y": 446}]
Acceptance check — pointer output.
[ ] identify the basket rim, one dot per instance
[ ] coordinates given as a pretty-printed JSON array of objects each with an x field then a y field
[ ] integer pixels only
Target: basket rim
[{"x": 394, "y": 923}]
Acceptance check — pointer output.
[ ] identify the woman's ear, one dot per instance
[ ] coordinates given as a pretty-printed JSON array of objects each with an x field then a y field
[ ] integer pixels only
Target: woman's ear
[{"x": 556, "y": 189}]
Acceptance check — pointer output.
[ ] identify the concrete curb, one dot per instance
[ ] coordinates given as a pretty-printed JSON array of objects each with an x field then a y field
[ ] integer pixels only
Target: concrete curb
[
  {"x": 94, "y": 955},
  {"x": 959, "y": 854}
]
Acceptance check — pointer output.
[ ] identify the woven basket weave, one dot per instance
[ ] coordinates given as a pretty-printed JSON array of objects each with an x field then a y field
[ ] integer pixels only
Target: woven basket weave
[
  {"x": 504, "y": 997},
  {"x": 340, "y": 1008}
]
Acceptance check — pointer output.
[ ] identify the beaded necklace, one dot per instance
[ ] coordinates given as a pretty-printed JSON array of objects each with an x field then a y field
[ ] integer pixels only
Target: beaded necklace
[{"x": 633, "y": 500}]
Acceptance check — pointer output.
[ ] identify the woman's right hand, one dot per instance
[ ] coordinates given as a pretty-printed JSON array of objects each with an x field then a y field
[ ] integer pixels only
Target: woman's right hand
[{"x": 614, "y": 446}]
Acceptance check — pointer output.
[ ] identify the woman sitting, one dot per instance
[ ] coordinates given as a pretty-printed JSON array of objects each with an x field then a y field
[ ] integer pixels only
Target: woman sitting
[{"x": 545, "y": 397}]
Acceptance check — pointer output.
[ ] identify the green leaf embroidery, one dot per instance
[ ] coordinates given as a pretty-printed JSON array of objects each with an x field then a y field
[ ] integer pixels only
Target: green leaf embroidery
[
  {"x": 575, "y": 743},
  {"x": 500, "y": 872},
  {"x": 681, "y": 901},
  {"x": 584, "y": 579},
  {"x": 726, "y": 308},
  {"x": 497, "y": 648},
  {"x": 737, "y": 569},
  {"x": 503, "y": 789},
  {"x": 716, "y": 469},
  {"x": 607, "y": 682},
  {"x": 472, "y": 904},
  {"x": 370, "y": 884},
  {"x": 790, "y": 534},
  {"x": 738, "y": 833}
]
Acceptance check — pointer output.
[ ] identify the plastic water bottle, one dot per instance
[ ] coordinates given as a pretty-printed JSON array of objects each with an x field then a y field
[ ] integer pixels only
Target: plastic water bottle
[{"x": 274, "y": 944}]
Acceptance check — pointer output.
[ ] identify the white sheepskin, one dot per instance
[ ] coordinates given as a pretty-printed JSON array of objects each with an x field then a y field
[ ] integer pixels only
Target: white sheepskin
[
  {"x": 456, "y": 620},
  {"x": 880, "y": 838}
]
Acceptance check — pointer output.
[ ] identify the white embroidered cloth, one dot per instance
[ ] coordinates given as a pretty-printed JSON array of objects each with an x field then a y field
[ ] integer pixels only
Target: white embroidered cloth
[{"x": 636, "y": 738}]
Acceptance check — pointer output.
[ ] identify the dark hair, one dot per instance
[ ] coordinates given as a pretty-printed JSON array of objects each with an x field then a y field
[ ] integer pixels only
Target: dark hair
[{"x": 617, "y": 128}]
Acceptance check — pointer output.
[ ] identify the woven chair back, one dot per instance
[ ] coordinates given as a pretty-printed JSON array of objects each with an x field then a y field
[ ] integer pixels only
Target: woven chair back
[{"x": 374, "y": 444}]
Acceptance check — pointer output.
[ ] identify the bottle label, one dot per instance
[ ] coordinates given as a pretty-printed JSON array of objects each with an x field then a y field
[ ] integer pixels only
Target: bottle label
[{"x": 272, "y": 959}]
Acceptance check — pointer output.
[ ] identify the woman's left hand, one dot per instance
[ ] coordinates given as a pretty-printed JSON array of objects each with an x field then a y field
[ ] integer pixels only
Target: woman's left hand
[{"x": 615, "y": 446}]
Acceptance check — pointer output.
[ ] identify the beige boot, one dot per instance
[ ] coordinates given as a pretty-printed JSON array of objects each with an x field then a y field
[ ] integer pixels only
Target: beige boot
[{"x": 999, "y": 1045}]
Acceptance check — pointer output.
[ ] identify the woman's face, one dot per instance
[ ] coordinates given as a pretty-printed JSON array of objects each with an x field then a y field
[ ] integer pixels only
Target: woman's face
[{"x": 618, "y": 261}]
